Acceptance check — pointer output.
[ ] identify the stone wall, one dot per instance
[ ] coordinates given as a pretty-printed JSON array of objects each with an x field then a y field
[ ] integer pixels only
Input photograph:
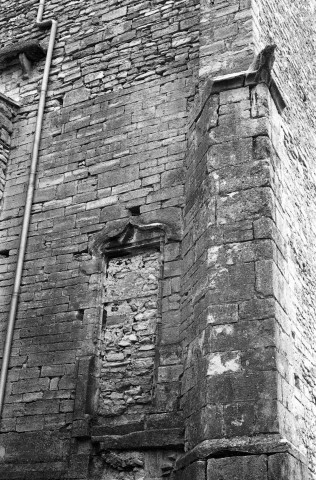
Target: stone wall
[
  {"x": 123, "y": 77},
  {"x": 295, "y": 149},
  {"x": 135, "y": 139},
  {"x": 226, "y": 38}
]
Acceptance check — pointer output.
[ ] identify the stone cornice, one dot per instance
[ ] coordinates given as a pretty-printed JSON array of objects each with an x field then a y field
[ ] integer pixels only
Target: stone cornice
[
  {"x": 257, "y": 445},
  {"x": 232, "y": 81}
]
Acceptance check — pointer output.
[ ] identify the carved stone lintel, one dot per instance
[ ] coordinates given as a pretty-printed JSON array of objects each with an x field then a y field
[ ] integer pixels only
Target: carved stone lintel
[{"x": 131, "y": 233}]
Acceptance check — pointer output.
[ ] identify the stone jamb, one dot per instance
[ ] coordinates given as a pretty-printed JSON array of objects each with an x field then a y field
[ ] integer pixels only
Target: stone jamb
[{"x": 8, "y": 110}]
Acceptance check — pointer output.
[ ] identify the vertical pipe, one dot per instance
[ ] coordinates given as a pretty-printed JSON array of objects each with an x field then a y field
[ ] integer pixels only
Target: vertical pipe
[{"x": 29, "y": 201}]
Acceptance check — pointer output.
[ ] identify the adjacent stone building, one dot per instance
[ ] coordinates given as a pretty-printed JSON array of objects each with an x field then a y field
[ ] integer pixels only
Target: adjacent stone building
[{"x": 162, "y": 189}]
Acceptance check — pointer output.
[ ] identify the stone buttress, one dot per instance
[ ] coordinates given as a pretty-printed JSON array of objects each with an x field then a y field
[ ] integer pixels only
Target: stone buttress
[{"x": 233, "y": 290}]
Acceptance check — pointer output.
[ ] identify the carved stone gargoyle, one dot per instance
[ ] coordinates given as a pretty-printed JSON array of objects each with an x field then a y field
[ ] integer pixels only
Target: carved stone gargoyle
[{"x": 263, "y": 64}]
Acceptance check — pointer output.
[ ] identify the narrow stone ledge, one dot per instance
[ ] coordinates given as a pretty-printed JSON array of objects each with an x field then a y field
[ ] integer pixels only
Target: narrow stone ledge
[
  {"x": 228, "y": 82},
  {"x": 232, "y": 81},
  {"x": 228, "y": 447},
  {"x": 141, "y": 439},
  {"x": 8, "y": 100}
]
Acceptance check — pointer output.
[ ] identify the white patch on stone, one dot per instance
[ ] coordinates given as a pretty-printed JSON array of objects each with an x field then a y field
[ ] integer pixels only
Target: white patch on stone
[
  {"x": 223, "y": 329},
  {"x": 223, "y": 362},
  {"x": 2, "y": 452},
  {"x": 212, "y": 255},
  {"x": 238, "y": 423},
  {"x": 215, "y": 275},
  {"x": 201, "y": 339},
  {"x": 205, "y": 71},
  {"x": 210, "y": 318}
]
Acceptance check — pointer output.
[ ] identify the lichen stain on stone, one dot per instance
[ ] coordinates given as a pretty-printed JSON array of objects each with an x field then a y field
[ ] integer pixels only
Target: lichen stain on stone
[
  {"x": 216, "y": 276},
  {"x": 219, "y": 363},
  {"x": 238, "y": 423},
  {"x": 223, "y": 330},
  {"x": 213, "y": 254},
  {"x": 2, "y": 453}
]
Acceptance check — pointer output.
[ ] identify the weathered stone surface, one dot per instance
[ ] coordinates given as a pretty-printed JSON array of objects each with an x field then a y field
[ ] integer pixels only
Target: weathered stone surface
[
  {"x": 197, "y": 471},
  {"x": 232, "y": 293},
  {"x": 145, "y": 439},
  {"x": 133, "y": 464},
  {"x": 231, "y": 468},
  {"x": 285, "y": 466},
  {"x": 120, "y": 141}
]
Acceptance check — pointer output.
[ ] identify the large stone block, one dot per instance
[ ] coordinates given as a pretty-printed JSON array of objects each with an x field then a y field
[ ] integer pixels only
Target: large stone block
[
  {"x": 238, "y": 468},
  {"x": 195, "y": 471},
  {"x": 283, "y": 466}
]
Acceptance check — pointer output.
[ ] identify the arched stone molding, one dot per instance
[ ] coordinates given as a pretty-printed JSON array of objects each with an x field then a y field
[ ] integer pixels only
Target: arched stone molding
[{"x": 131, "y": 233}]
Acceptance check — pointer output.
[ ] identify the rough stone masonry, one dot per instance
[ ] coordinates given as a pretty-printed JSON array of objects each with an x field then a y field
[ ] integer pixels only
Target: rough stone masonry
[{"x": 166, "y": 323}]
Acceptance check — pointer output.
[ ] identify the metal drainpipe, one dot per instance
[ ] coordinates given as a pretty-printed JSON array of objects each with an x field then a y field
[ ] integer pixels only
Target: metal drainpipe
[{"x": 29, "y": 200}]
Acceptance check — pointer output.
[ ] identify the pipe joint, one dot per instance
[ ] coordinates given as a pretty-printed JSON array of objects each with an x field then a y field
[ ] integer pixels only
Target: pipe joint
[{"x": 44, "y": 25}]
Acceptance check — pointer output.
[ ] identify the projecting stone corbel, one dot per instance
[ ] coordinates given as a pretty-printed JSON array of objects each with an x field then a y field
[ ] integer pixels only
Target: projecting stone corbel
[
  {"x": 25, "y": 64},
  {"x": 260, "y": 71},
  {"x": 26, "y": 52}
]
